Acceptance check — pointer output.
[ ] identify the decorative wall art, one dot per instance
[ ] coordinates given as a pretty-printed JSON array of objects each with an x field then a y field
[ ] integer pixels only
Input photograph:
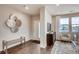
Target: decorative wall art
[{"x": 13, "y": 23}]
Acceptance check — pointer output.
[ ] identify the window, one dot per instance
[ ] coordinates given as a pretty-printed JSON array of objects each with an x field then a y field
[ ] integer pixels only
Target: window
[
  {"x": 64, "y": 25},
  {"x": 75, "y": 24}
]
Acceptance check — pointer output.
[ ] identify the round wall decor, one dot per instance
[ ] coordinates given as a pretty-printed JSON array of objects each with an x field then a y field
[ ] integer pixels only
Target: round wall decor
[{"x": 13, "y": 23}]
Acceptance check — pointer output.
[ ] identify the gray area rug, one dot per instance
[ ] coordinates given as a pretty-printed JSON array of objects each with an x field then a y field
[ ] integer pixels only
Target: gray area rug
[{"x": 64, "y": 48}]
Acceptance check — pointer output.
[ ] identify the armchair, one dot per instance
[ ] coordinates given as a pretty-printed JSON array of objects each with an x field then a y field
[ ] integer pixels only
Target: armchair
[{"x": 65, "y": 37}]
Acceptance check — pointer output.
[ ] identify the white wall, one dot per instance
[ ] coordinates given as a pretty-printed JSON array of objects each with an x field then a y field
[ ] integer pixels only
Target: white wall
[
  {"x": 48, "y": 18},
  {"x": 45, "y": 18},
  {"x": 5, "y": 33},
  {"x": 35, "y": 27},
  {"x": 55, "y": 25},
  {"x": 42, "y": 28}
]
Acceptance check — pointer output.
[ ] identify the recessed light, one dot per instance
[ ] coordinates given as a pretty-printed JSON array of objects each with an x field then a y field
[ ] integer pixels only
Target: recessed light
[{"x": 26, "y": 7}]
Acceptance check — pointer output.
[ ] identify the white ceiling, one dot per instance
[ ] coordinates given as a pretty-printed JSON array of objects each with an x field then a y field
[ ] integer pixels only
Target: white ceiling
[
  {"x": 34, "y": 9},
  {"x": 63, "y": 9}
]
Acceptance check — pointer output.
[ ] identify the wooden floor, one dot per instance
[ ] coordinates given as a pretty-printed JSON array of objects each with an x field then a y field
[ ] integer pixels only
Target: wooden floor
[{"x": 29, "y": 48}]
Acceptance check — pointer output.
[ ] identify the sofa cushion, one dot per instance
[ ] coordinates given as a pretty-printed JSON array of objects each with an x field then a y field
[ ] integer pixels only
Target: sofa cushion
[{"x": 65, "y": 37}]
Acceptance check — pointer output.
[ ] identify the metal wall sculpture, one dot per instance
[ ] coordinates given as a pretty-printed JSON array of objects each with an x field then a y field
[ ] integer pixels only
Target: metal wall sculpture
[{"x": 13, "y": 23}]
